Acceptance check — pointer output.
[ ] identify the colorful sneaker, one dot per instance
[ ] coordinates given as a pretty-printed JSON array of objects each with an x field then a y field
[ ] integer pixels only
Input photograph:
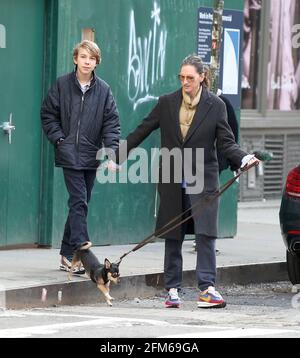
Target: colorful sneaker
[
  {"x": 65, "y": 265},
  {"x": 210, "y": 298},
  {"x": 173, "y": 300}
]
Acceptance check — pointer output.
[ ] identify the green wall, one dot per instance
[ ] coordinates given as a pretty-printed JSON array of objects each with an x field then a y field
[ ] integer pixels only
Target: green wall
[
  {"x": 21, "y": 62},
  {"x": 123, "y": 213}
]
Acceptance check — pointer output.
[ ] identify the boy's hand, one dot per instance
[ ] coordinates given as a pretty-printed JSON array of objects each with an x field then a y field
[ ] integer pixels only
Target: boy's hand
[{"x": 112, "y": 166}]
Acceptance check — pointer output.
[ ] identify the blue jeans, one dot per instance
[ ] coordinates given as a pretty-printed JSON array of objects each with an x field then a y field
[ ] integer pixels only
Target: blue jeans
[
  {"x": 79, "y": 184},
  {"x": 206, "y": 270}
]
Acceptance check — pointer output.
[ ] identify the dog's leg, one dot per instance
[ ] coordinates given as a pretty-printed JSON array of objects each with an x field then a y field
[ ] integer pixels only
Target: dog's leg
[
  {"x": 108, "y": 289},
  {"x": 105, "y": 292},
  {"x": 75, "y": 261},
  {"x": 70, "y": 273}
]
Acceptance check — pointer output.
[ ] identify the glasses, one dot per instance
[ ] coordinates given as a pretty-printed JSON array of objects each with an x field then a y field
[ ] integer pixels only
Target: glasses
[{"x": 188, "y": 78}]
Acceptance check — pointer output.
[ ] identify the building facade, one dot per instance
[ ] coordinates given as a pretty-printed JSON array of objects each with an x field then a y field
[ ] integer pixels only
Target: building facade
[
  {"x": 143, "y": 43},
  {"x": 270, "y": 116}
]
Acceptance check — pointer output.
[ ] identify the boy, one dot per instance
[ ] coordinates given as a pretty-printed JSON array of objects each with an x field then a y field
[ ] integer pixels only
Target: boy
[{"x": 79, "y": 116}]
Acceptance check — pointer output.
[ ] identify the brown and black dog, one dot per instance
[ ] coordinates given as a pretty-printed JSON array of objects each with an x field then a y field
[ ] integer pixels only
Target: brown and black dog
[{"x": 102, "y": 275}]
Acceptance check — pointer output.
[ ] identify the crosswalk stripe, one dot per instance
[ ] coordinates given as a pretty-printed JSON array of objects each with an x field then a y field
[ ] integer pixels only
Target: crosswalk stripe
[
  {"x": 93, "y": 321},
  {"x": 207, "y": 331},
  {"x": 230, "y": 333}
]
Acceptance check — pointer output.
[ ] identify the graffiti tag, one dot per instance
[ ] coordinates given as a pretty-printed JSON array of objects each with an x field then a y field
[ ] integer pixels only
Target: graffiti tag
[{"x": 147, "y": 57}]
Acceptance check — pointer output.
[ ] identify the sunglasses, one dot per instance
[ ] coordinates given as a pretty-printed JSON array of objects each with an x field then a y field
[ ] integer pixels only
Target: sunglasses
[{"x": 188, "y": 78}]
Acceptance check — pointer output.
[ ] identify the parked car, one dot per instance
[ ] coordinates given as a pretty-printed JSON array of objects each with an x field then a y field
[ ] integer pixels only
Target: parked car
[{"x": 289, "y": 216}]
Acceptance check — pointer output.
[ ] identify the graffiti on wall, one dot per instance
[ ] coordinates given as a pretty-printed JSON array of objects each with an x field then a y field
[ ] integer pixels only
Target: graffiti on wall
[{"x": 147, "y": 59}]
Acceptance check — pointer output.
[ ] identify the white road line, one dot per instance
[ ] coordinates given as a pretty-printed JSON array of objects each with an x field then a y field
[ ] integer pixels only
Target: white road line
[
  {"x": 44, "y": 329},
  {"x": 93, "y": 321},
  {"x": 21, "y": 313},
  {"x": 108, "y": 321},
  {"x": 71, "y": 315},
  {"x": 233, "y": 333}
]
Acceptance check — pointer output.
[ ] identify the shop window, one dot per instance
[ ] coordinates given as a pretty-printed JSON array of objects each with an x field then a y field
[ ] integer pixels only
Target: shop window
[
  {"x": 283, "y": 91},
  {"x": 252, "y": 20}
]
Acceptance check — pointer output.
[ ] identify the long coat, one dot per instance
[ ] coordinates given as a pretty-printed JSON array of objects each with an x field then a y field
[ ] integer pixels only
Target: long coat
[{"x": 208, "y": 130}]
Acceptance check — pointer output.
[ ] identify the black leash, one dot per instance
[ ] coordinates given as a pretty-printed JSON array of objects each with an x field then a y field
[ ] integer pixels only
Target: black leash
[{"x": 208, "y": 200}]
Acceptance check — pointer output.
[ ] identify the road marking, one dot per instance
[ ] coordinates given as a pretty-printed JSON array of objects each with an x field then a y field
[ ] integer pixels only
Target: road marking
[
  {"x": 231, "y": 333},
  {"x": 93, "y": 321},
  {"x": 109, "y": 321},
  {"x": 115, "y": 322},
  {"x": 70, "y": 315}
]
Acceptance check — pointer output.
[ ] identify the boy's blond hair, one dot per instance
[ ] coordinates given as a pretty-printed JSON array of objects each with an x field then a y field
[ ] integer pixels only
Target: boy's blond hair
[{"x": 91, "y": 47}]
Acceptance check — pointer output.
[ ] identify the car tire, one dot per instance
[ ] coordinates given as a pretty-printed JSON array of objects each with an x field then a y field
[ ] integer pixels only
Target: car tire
[{"x": 293, "y": 267}]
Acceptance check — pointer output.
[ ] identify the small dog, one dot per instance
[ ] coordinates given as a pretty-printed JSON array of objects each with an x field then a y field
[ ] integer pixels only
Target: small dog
[{"x": 102, "y": 275}]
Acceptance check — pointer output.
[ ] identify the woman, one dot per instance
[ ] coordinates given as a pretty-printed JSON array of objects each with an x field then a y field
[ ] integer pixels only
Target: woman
[{"x": 189, "y": 119}]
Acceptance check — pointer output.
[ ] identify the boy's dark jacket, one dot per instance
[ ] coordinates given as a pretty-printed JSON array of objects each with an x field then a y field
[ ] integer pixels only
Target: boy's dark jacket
[{"x": 87, "y": 122}]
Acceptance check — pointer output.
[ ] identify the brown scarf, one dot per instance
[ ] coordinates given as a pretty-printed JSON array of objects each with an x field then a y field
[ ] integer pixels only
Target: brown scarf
[{"x": 187, "y": 111}]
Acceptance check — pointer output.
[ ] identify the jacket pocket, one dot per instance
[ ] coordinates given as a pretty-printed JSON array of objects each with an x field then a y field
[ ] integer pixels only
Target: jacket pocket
[
  {"x": 65, "y": 154},
  {"x": 88, "y": 143}
]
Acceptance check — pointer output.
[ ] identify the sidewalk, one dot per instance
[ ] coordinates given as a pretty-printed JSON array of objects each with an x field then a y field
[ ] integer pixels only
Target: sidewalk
[{"x": 257, "y": 253}]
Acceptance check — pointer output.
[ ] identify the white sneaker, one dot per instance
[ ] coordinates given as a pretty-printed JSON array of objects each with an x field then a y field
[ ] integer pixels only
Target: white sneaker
[
  {"x": 173, "y": 299},
  {"x": 65, "y": 265}
]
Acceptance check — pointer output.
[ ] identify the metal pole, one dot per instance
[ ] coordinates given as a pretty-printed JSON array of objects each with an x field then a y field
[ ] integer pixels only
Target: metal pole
[{"x": 217, "y": 29}]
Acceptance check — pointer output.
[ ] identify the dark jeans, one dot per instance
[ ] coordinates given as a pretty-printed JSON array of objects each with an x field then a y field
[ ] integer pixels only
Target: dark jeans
[
  {"x": 206, "y": 258},
  {"x": 79, "y": 184}
]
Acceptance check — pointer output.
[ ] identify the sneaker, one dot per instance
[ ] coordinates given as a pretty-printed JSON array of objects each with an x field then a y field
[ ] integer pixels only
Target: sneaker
[
  {"x": 173, "y": 300},
  {"x": 210, "y": 298},
  {"x": 65, "y": 265}
]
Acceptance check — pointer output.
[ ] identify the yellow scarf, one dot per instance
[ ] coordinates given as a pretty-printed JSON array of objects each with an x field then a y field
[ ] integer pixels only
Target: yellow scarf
[{"x": 187, "y": 111}]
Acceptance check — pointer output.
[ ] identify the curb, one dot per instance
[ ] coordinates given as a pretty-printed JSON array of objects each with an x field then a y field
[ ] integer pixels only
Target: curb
[{"x": 85, "y": 291}]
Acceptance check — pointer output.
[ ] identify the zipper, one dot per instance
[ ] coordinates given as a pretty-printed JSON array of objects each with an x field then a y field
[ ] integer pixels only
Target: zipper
[
  {"x": 79, "y": 120},
  {"x": 81, "y": 109}
]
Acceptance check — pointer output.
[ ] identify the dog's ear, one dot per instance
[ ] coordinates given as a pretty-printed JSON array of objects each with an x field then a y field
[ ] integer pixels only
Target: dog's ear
[{"x": 107, "y": 264}]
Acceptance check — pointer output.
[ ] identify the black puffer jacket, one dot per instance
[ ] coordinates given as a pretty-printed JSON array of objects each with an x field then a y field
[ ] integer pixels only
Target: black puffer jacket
[{"x": 87, "y": 122}]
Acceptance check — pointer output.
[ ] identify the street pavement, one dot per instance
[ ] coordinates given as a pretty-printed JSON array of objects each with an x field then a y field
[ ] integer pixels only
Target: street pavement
[
  {"x": 254, "y": 310},
  {"x": 257, "y": 253}
]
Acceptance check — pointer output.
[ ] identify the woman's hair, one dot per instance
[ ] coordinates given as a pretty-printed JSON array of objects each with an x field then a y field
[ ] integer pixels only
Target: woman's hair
[
  {"x": 195, "y": 60},
  {"x": 91, "y": 47}
]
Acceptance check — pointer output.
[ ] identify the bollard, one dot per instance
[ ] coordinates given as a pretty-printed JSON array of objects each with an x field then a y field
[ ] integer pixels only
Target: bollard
[
  {"x": 44, "y": 295},
  {"x": 2, "y": 298}
]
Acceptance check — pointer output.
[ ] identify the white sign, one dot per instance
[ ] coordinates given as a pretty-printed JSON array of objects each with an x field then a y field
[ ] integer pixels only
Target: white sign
[
  {"x": 2, "y": 36},
  {"x": 231, "y": 61}
]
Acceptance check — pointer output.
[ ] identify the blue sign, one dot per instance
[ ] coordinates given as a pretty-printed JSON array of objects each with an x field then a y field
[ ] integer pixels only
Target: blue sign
[{"x": 230, "y": 52}]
